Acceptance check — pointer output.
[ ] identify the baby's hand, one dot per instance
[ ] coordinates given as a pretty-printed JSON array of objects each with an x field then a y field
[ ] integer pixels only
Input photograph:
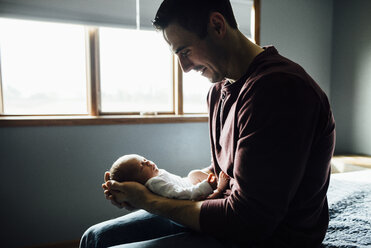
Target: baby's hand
[{"x": 211, "y": 179}]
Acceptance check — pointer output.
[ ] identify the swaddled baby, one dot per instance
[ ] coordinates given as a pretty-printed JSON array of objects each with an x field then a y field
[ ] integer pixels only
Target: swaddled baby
[{"x": 197, "y": 185}]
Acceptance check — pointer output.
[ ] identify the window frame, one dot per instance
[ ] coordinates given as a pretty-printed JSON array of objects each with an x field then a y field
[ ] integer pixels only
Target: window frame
[{"x": 95, "y": 116}]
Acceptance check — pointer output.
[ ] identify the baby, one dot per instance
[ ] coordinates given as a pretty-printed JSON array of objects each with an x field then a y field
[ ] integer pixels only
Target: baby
[{"x": 198, "y": 185}]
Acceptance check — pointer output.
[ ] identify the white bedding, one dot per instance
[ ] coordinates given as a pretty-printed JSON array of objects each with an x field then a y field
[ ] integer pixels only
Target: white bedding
[{"x": 349, "y": 198}]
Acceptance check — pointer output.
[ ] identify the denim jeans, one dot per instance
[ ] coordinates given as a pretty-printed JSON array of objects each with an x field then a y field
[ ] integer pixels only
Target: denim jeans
[{"x": 141, "y": 229}]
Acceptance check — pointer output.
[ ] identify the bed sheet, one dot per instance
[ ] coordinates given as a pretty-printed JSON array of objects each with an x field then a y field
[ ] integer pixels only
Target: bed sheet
[{"x": 349, "y": 198}]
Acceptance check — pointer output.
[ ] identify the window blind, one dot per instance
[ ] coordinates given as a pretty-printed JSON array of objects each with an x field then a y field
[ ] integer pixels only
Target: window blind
[
  {"x": 122, "y": 13},
  {"x": 114, "y": 13}
]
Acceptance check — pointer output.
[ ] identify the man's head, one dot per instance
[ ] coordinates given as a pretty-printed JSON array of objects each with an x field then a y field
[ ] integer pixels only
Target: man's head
[
  {"x": 200, "y": 33},
  {"x": 192, "y": 15},
  {"x": 133, "y": 167}
]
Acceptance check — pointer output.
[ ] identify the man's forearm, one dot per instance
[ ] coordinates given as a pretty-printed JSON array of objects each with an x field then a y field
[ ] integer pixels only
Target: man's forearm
[{"x": 184, "y": 212}]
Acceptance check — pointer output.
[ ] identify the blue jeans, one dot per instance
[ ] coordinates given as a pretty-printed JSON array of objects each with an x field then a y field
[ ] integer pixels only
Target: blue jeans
[{"x": 141, "y": 229}]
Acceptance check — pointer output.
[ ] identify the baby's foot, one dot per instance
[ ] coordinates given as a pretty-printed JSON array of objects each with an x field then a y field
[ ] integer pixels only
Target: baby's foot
[{"x": 223, "y": 181}]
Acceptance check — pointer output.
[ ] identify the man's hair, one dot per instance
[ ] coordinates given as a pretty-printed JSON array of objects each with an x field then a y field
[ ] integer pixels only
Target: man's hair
[{"x": 192, "y": 15}]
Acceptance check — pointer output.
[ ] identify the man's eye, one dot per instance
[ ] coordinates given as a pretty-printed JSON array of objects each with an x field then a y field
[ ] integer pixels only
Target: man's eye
[{"x": 185, "y": 53}]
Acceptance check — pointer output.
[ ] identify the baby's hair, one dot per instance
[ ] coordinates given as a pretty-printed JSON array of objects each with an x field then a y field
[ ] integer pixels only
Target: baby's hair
[
  {"x": 116, "y": 174},
  {"x": 121, "y": 173}
]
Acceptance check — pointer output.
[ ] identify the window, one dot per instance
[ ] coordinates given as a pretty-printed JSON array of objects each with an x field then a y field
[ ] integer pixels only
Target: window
[
  {"x": 80, "y": 62},
  {"x": 42, "y": 68},
  {"x": 195, "y": 89},
  {"x": 135, "y": 71}
]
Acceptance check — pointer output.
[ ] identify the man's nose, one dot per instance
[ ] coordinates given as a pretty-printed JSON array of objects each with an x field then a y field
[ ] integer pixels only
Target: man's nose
[{"x": 186, "y": 64}]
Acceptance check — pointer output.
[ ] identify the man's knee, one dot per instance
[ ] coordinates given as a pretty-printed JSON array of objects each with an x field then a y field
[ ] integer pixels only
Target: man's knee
[
  {"x": 108, "y": 233},
  {"x": 99, "y": 235},
  {"x": 90, "y": 238},
  {"x": 133, "y": 227}
]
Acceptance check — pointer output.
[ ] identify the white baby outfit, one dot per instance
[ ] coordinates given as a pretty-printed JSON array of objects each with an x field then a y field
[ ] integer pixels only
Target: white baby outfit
[{"x": 173, "y": 186}]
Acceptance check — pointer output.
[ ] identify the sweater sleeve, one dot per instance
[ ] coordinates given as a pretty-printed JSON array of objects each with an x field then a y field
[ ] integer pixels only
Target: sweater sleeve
[
  {"x": 275, "y": 129},
  {"x": 172, "y": 190}
]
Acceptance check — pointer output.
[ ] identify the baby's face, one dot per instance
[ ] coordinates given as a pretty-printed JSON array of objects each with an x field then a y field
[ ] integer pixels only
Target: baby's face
[{"x": 137, "y": 168}]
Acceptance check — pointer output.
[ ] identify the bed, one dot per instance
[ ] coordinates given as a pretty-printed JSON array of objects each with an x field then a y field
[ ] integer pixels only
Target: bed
[{"x": 349, "y": 198}]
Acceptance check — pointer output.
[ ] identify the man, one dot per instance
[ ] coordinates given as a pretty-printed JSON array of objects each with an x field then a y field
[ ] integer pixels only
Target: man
[{"x": 271, "y": 131}]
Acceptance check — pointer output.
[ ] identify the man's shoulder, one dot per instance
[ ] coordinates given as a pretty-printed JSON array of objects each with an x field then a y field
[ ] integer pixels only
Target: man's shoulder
[
  {"x": 270, "y": 64},
  {"x": 277, "y": 74}
]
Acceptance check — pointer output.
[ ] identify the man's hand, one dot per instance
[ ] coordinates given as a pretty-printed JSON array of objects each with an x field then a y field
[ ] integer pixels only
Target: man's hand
[
  {"x": 116, "y": 197},
  {"x": 132, "y": 194},
  {"x": 129, "y": 193},
  {"x": 107, "y": 193}
]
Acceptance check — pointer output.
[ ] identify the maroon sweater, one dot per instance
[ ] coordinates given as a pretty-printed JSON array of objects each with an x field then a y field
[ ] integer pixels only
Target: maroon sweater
[{"x": 273, "y": 133}]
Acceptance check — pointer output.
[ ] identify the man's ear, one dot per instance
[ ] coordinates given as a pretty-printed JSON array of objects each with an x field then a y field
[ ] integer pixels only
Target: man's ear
[{"x": 217, "y": 24}]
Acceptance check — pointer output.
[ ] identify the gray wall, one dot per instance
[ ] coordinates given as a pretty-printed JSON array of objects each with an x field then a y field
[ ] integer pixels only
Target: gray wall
[
  {"x": 301, "y": 31},
  {"x": 51, "y": 176},
  {"x": 351, "y": 76}
]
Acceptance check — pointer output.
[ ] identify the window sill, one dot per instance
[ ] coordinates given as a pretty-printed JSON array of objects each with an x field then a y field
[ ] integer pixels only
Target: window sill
[{"x": 97, "y": 120}]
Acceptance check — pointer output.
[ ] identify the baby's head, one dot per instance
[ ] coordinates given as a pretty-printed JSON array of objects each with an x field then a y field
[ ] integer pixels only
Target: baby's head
[{"x": 133, "y": 167}]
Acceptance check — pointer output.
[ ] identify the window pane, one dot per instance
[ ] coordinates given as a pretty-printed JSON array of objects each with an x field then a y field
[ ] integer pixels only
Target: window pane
[
  {"x": 195, "y": 89},
  {"x": 43, "y": 67},
  {"x": 135, "y": 71}
]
